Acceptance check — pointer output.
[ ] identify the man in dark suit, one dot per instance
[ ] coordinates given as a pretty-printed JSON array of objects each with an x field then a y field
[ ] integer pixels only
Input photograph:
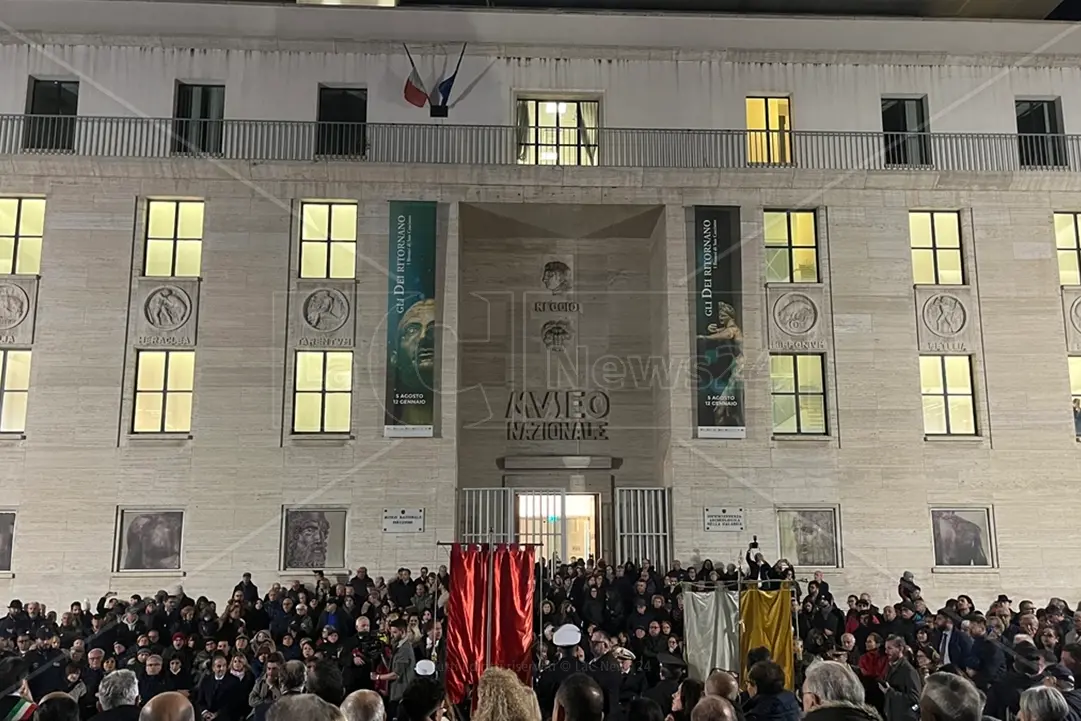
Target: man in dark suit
[
  {"x": 954, "y": 645},
  {"x": 216, "y": 694},
  {"x": 606, "y": 671},
  {"x": 987, "y": 661}
]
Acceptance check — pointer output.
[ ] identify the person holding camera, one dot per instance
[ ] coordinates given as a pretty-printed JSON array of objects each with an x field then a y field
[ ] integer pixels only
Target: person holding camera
[{"x": 757, "y": 568}]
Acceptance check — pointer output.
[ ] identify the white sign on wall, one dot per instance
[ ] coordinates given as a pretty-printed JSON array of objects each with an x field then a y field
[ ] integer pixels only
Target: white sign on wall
[
  {"x": 403, "y": 520},
  {"x": 716, "y": 519}
]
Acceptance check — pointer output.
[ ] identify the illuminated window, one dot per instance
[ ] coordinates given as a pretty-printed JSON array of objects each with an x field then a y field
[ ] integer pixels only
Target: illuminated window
[
  {"x": 557, "y": 132},
  {"x": 791, "y": 247},
  {"x": 769, "y": 131},
  {"x": 14, "y": 389},
  {"x": 164, "y": 380},
  {"x": 798, "y": 392},
  {"x": 323, "y": 392},
  {"x": 946, "y": 385},
  {"x": 22, "y": 224},
  {"x": 1069, "y": 251},
  {"x": 174, "y": 238},
  {"x": 1075, "y": 393},
  {"x": 935, "y": 239},
  {"x": 328, "y": 240}
]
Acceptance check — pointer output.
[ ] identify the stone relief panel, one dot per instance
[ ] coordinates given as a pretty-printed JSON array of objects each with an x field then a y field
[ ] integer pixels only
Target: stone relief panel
[
  {"x": 798, "y": 318},
  {"x": 554, "y": 306},
  {"x": 945, "y": 319},
  {"x": 18, "y": 309},
  {"x": 1071, "y": 311},
  {"x": 166, "y": 312},
  {"x": 323, "y": 314}
]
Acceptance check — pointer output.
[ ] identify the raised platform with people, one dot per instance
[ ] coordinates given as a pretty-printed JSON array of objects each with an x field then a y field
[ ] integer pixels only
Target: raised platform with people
[{"x": 499, "y": 636}]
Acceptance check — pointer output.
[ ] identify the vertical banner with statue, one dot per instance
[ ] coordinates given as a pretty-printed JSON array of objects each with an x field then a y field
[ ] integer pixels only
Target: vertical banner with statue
[
  {"x": 718, "y": 334},
  {"x": 411, "y": 311}
]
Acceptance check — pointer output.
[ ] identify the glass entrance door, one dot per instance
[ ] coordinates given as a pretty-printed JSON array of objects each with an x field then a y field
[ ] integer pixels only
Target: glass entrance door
[{"x": 563, "y": 525}]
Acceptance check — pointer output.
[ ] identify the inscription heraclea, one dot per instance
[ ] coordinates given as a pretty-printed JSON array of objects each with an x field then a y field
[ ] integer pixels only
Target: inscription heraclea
[{"x": 163, "y": 340}]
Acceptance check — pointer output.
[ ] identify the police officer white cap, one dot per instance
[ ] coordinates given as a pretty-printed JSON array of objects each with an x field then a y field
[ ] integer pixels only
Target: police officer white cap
[
  {"x": 425, "y": 667},
  {"x": 567, "y": 635}
]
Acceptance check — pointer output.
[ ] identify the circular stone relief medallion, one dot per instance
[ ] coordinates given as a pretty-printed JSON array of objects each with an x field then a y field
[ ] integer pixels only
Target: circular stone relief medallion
[
  {"x": 326, "y": 310},
  {"x": 167, "y": 308},
  {"x": 14, "y": 305},
  {"x": 795, "y": 314},
  {"x": 944, "y": 315},
  {"x": 1075, "y": 315}
]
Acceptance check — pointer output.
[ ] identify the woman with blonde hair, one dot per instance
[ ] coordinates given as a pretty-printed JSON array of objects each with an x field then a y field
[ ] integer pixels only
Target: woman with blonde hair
[{"x": 502, "y": 697}]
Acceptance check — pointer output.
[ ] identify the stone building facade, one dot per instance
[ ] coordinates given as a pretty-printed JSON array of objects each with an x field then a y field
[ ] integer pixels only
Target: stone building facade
[{"x": 895, "y": 142}]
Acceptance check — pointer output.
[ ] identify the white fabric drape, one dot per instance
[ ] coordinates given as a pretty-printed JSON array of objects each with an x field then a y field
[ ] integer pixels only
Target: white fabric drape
[{"x": 711, "y": 629}]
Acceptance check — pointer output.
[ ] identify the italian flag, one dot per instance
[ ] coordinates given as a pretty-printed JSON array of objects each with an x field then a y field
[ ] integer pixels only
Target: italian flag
[{"x": 22, "y": 711}]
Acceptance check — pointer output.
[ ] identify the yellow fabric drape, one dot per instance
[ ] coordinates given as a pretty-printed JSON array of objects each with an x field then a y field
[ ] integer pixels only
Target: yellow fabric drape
[{"x": 765, "y": 619}]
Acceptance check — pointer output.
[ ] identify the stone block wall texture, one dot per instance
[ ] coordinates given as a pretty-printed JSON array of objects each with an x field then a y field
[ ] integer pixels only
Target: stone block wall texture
[{"x": 76, "y": 466}]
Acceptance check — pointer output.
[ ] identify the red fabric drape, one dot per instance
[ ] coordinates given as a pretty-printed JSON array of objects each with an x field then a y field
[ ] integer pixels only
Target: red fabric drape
[
  {"x": 512, "y": 611},
  {"x": 465, "y": 619},
  {"x": 467, "y": 609}
]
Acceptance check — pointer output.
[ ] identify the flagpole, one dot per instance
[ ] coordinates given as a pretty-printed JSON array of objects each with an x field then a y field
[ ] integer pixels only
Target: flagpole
[
  {"x": 489, "y": 600},
  {"x": 459, "y": 65},
  {"x": 414, "y": 66}
]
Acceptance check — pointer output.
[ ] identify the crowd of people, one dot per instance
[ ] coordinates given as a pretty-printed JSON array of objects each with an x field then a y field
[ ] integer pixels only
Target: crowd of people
[{"x": 609, "y": 644}]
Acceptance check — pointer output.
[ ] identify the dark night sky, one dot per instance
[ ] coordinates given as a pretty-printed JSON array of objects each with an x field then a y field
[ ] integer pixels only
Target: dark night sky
[{"x": 1068, "y": 10}]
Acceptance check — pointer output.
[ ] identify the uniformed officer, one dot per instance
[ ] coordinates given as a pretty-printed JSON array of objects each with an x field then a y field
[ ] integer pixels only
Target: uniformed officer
[
  {"x": 566, "y": 663},
  {"x": 606, "y": 671},
  {"x": 632, "y": 683}
]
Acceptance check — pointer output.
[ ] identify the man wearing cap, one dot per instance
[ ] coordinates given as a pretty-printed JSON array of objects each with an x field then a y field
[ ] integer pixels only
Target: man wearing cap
[
  {"x": 15, "y": 622},
  {"x": 605, "y": 670},
  {"x": 632, "y": 682},
  {"x": 566, "y": 664},
  {"x": 1060, "y": 677}
]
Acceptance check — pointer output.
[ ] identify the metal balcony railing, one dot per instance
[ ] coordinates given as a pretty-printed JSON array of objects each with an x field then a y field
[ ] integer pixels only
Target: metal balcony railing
[{"x": 267, "y": 140}]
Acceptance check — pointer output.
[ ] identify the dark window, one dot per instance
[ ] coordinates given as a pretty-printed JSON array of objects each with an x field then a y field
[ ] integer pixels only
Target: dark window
[
  {"x": 198, "y": 120},
  {"x": 343, "y": 113},
  {"x": 1039, "y": 134},
  {"x": 904, "y": 123},
  {"x": 52, "y": 105}
]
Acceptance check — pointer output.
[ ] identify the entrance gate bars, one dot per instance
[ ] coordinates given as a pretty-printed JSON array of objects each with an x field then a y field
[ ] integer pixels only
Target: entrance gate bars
[{"x": 641, "y": 517}]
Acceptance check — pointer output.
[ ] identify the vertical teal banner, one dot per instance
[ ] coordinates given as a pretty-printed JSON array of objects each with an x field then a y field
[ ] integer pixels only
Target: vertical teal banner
[
  {"x": 718, "y": 331},
  {"x": 411, "y": 314}
]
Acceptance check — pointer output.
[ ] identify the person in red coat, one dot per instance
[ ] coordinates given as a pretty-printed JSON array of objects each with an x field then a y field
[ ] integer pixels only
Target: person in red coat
[{"x": 873, "y": 662}]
